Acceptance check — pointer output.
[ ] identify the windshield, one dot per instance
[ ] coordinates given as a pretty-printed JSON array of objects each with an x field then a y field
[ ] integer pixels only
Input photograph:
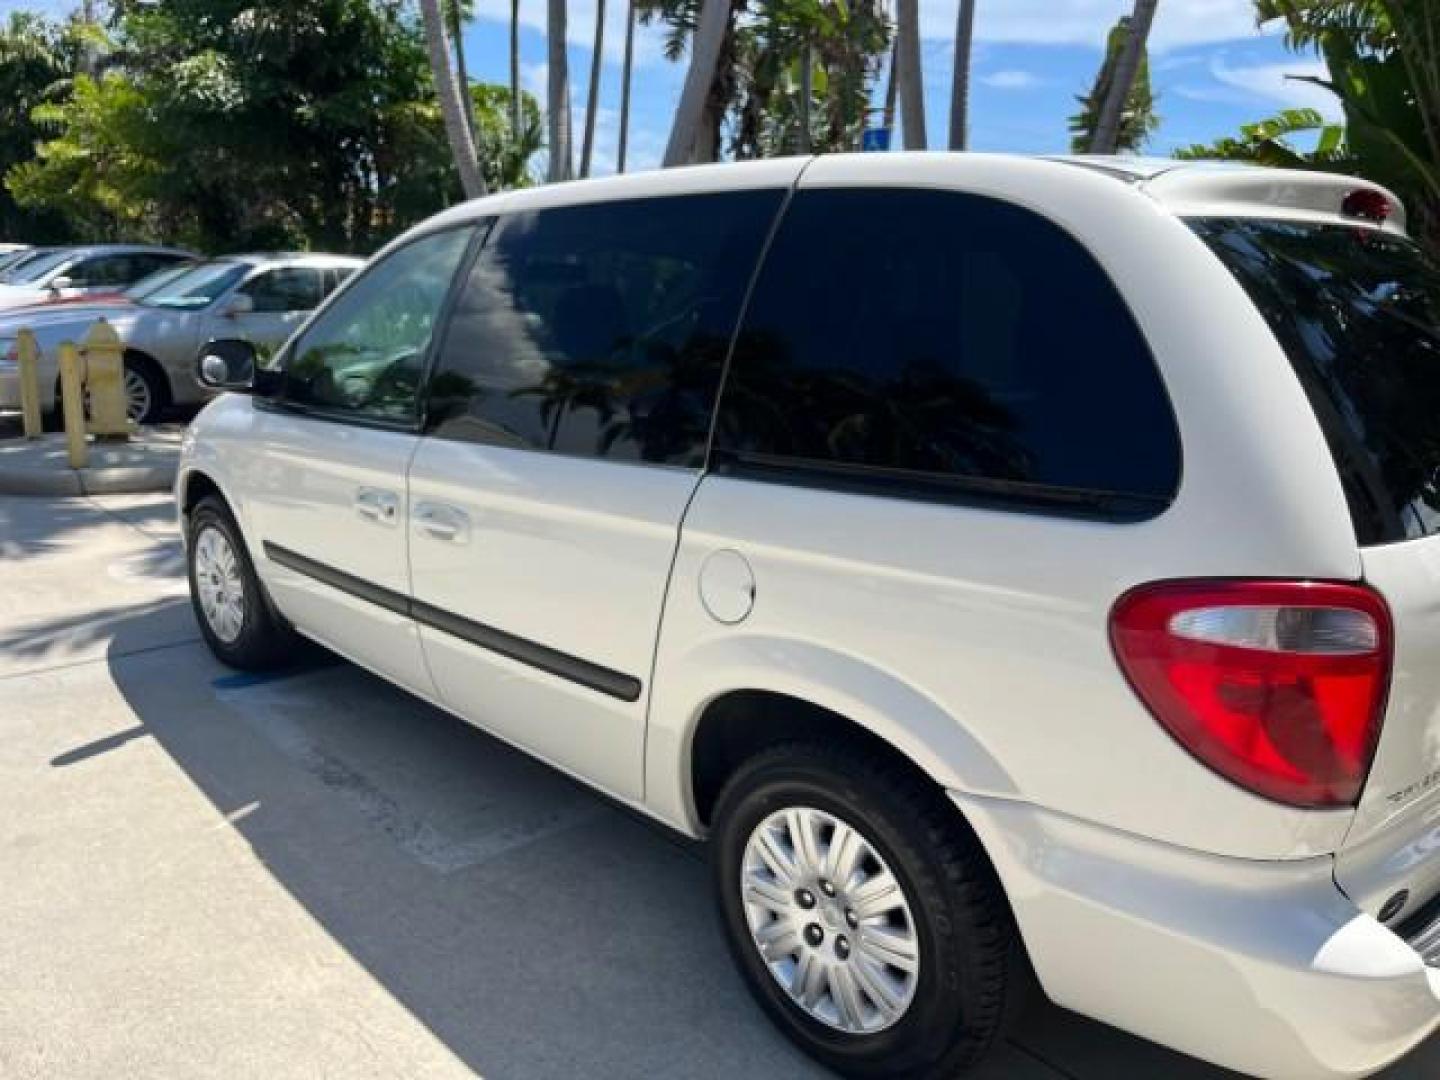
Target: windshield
[
  {"x": 14, "y": 258},
  {"x": 1358, "y": 312},
  {"x": 156, "y": 280},
  {"x": 32, "y": 270},
  {"x": 198, "y": 287}
]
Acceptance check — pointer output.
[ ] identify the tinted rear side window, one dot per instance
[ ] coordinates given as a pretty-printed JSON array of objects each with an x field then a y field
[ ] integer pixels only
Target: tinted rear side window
[
  {"x": 601, "y": 330},
  {"x": 950, "y": 344},
  {"x": 1358, "y": 312}
]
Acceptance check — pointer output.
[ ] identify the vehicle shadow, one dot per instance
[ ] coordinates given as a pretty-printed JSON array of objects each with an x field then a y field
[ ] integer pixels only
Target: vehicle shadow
[{"x": 534, "y": 928}]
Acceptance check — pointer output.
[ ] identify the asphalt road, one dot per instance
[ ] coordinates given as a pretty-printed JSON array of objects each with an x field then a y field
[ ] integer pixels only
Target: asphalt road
[{"x": 209, "y": 875}]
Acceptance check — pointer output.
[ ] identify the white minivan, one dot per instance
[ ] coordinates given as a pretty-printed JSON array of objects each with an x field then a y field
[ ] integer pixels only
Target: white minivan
[{"x": 1018, "y": 569}]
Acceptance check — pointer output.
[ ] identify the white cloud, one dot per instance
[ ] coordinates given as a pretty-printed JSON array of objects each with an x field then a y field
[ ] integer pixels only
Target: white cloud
[
  {"x": 1049, "y": 22},
  {"x": 1275, "y": 82},
  {"x": 580, "y": 28},
  {"x": 1086, "y": 22},
  {"x": 1011, "y": 80}
]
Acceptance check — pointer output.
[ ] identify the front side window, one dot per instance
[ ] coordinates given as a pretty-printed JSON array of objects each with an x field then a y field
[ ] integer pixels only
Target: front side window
[
  {"x": 1358, "y": 313},
  {"x": 601, "y": 330},
  {"x": 366, "y": 354},
  {"x": 290, "y": 288},
  {"x": 933, "y": 342}
]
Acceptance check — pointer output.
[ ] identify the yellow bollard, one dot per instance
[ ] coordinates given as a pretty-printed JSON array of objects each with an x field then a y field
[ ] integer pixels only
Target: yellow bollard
[
  {"x": 29, "y": 357},
  {"x": 103, "y": 362},
  {"x": 72, "y": 398}
]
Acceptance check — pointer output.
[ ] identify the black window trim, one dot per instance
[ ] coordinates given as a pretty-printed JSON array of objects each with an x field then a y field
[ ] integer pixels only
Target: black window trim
[{"x": 480, "y": 227}]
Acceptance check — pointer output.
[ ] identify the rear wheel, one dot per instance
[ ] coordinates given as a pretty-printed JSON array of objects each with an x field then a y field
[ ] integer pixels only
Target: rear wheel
[
  {"x": 235, "y": 616},
  {"x": 864, "y": 915}
]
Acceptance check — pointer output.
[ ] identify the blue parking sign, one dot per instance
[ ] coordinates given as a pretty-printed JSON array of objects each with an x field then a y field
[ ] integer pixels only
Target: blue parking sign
[{"x": 875, "y": 140}]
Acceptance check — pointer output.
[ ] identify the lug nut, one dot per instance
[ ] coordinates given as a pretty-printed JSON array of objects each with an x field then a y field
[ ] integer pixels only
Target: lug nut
[
  {"x": 814, "y": 936},
  {"x": 827, "y": 888},
  {"x": 805, "y": 898},
  {"x": 851, "y": 919},
  {"x": 842, "y": 948}
]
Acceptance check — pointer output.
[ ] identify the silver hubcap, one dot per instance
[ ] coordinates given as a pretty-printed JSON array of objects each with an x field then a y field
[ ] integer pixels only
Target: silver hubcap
[
  {"x": 217, "y": 579},
  {"x": 137, "y": 395},
  {"x": 830, "y": 920}
]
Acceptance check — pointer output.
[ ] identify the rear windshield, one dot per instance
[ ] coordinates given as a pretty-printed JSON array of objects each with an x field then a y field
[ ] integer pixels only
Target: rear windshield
[{"x": 1358, "y": 312}]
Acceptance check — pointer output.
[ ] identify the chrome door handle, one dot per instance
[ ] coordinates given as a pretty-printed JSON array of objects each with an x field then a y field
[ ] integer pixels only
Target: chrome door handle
[
  {"x": 443, "y": 522},
  {"x": 376, "y": 505}
]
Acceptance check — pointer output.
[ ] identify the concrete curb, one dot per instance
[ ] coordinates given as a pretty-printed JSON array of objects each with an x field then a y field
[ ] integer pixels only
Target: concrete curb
[{"x": 39, "y": 467}]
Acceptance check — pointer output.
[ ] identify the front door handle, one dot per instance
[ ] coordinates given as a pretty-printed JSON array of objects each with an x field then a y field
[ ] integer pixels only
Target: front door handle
[
  {"x": 374, "y": 504},
  {"x": 443, "y": 522}
]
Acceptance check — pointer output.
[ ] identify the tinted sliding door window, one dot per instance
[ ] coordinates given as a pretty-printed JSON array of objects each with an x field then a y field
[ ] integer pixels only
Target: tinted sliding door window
[
  {"x": 947, "y": 344},
  {"x": 601, "y": 330}
]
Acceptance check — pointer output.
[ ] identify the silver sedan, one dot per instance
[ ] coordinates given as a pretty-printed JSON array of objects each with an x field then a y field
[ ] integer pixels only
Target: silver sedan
[{"x": 261, "y": 298}]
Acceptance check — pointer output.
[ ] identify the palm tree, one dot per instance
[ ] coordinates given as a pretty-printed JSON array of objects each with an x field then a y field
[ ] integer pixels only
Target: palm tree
[
  {"x": 457, "y": 14},
  {"x": 457, "y": 130},
  {"x": 706, "y": 46},
  {"x": 891, "y": 87},
  {"x": 960, "y": 84},
  {"x": 625, "y": 84},
  {"x": 516, "y": 123},
  {"x": 807, "y": 92},
  {"x": 593, "y": 101},
  {"x": 908, "y": 74},
  {"x": 1127, "y": 67},
  {"x": 562, "y": 164}
]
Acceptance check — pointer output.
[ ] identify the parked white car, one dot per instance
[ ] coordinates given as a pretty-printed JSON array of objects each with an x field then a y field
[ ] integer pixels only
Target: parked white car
[
  {"x": 75, "y": 271},
  {"x": 996, "y": 558},
  {"x": 261, "y": 298}
]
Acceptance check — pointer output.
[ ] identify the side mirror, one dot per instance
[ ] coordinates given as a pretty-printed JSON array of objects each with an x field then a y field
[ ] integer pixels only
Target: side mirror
[
  {"x": 61, "y": 283},
  {"x": 239, "y": 304},
  {"x": 226, "y": 364}
]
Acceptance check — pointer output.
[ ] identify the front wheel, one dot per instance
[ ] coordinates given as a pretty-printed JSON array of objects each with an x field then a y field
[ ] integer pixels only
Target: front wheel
[
  {"x": 234, "y": 613},
  {"x": 863, "y": 913}
]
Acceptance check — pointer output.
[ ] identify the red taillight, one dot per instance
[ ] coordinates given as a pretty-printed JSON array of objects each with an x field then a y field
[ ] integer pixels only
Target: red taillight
[
  {"x": 1278, "y": 686},
  {"x": 1367, "y": 204}
]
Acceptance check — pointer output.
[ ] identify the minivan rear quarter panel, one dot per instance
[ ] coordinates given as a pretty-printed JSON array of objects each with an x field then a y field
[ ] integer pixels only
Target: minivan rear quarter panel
[{"x": 993, "y": 623}]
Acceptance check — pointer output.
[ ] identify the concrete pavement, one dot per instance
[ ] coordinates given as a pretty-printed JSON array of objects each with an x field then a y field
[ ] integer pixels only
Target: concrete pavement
[{"x": 205, "y": 874}]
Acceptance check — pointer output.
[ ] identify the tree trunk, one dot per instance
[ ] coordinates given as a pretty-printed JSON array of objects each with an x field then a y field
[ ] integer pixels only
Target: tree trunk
[
  {"x": 592, "y": 103},
  {"x": 462, "y": 74},
  {"x": 515, "y": 111},
  {"x": 891, "y": 86},
  {"x": 908, "y": 73},
  {"x": 457, "y": 131},
  {"x": 960, "y": 84},
  {"x": 625, "y": 84},
  {"x": 562, "y": 162},
  {"x": 807, "y": 90},
  {"x": 1112, "y": 109},
  {"x": 706, "y": 45}
]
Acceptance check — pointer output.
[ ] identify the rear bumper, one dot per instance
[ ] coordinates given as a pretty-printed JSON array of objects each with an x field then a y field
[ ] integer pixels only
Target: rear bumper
[{"x": 1263, "y": 967}]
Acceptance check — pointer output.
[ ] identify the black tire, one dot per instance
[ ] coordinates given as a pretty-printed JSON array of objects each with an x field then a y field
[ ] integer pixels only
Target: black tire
[
  {"x": 972, "y": 968},
  {"x": 264, "y": 641},
  {"x": 159, "y": 390}
]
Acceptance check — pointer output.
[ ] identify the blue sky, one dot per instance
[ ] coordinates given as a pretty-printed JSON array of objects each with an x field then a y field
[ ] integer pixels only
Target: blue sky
[{"x": 1212, "y": 69}]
